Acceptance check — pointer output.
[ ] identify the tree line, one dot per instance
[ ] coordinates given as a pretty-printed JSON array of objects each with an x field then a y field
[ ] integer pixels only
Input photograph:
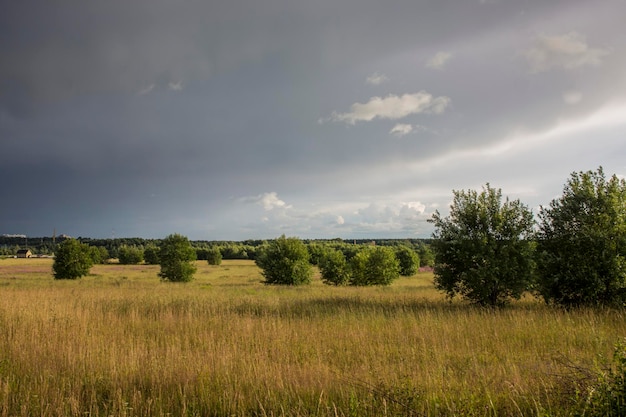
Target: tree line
[
  {"x": 137, "y": 250},
  {"x": 488, "y": 250},
  {"x": 491, "y": 251},
  {"x": 283, "y": 260}
]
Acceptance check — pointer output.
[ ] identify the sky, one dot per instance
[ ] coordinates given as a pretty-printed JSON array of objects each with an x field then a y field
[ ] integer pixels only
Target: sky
[{"x": 249, "y": 119}]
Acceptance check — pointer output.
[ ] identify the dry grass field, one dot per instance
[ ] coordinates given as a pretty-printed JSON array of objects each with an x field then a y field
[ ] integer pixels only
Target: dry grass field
[{"x": 120, "y": 342}]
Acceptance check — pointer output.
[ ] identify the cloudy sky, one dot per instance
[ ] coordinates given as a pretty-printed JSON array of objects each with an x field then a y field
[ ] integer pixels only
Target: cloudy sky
[{"x": 247, "y": 119}]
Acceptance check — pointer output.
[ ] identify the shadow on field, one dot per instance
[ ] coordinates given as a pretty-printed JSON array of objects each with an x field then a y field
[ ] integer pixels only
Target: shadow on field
[{"x": 352, "y": 306}]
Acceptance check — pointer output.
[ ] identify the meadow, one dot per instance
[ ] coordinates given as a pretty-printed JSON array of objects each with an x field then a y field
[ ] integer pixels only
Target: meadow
[{"x": 120, "y": 342}]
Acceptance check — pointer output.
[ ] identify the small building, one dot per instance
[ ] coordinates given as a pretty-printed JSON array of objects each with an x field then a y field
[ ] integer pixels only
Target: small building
[{"x": 24, "y": 253}]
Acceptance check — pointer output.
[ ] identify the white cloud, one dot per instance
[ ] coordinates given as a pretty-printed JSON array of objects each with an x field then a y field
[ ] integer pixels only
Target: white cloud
[
  {"x": 175, "y": 86},
  {"x": 401, "y": 129},
  {"x": 146, "y": 90},
  {"x": 172, "y": 86},
  {"x": 572, "y": 97},
  {"x": 414, "y": 206},
  {"x": 376, "y": 79},
  {"x": 439, "y": 60},
  {"x": 393, "y": 107},
  {"x": 567, "y": 51},
  {"x": 269, "y": 201},
  {"x": 340, "y": 220},
  {"x": 391, "y": 217}
]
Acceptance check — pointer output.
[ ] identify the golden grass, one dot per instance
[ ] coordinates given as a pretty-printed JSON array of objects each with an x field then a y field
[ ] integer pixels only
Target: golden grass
[{"x": 121, "y": 342}]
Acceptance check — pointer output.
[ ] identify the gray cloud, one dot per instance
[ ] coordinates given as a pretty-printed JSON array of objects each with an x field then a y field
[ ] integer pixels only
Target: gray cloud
[
  {"x": 376, "y": 79},
  {"x": 439, "y": 60},
  {"x": 152, "y": 117},
  {"x": 401, "y": 129},
  {"x": 566, "y": 51}
]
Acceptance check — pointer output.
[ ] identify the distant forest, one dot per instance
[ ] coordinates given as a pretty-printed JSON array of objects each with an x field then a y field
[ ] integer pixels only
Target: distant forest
[{"x": 246, "y": 249}]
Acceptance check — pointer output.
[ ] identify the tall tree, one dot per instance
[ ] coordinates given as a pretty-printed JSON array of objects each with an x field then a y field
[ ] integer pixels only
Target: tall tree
[
  {"x": 333, "y": 266},
  {"x": 151, "y": 254},
  {"x": 285, "y": 261},
  {"x": 130, "y": 255},
  {"x": 214, "y": 256},
  {"x": 408, "y": 259},
  {"x": 72, "y": 260},
  {"x": 374, "y": 265},
  {"x": 581, "y": 245},
  {"x": 483, "y": 249},
  {"x": 176, "y": 256}
]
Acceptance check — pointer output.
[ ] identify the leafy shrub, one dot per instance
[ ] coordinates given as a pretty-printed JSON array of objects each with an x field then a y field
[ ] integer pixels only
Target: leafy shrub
[
  {"x": 151, "y": 254},
  {"x": 175, "y": 257},
  {"x": 426, "y": 255},
  {"x": 99, "y": 254},
  {"x": 130, "y": 255},
  {"x": 581, "y": 245},
  {"x": 408, "y": 260},
  {"x": 374, "y": 265},
  {"x": 607, "y": 398},
  {"x": 214, "y": 256},
  {"x": 72, "y": 260},
  {"x": 483, "y": 249},
  {"x": 285, "y": 261},
  {"x": 317, "y": 252},
  {"x": 333, "y": 267}
]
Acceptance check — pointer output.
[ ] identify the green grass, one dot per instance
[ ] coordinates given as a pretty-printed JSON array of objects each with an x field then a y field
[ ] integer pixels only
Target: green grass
[{"x": 121, "y": 342}]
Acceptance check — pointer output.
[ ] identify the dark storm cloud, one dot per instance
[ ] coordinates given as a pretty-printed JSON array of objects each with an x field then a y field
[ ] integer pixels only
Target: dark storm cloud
[
  {"x": 57, "y": 48},
  {"x": 148, "y": 116}
]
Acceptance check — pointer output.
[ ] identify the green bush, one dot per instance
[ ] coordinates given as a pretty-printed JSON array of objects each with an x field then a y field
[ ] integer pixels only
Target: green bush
[
  {"x": 285, "y": 261},
  {"x": 151, "y": 254},
  {"x": 408, "y": 260},
  {"x": 316, "y": 252},
  {"x": 99, "y": 254},
  {"x": 176, "y": 256},
  {"x": 72, "y": 260},
  {"x": 374, "y": 265},
  {"x": 130, "y": 255},
  {"x": 484, "y": 249},
  {"x": 426, "y": 255},
  {"x": 607, "y": 398},
  {"x": 333, "y": 267},
  {"x": 214, "y": 256},
  {"x": 581, "y": 244}
]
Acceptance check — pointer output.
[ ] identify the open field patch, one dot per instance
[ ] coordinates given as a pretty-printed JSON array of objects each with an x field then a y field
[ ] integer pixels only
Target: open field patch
[{"x": 121, "y": 342}]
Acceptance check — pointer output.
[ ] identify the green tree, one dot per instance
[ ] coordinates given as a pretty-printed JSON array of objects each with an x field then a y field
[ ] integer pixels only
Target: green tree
[
  {"x": 151, "y": 254},
  {"x": 130, "y": 255},
  {"x": 95, "y": 254},
  {"x": 374, "y": 265},
  {"x": 235, "y": 251},
  {"x": 581, "y": 243},
  {"x": 333, "y": 267},
  {"x": 358, "y": 267},
  {"x": 176, "y": 256},
  {"x": 408, "y": 259},
  {"x": 72, "y": 260},
  {"x": 214, "y": 256},
  {"x": 426, "y": 255},
  {"x": 483, "y": 250},
  {"x": 104, "y": 254},
  {"x": 285, "y": 261},
  {"x": 316, "y": 252}
]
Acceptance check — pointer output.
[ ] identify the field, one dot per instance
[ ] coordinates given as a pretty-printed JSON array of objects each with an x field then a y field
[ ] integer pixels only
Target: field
[{"x": 120, "y": 342}]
